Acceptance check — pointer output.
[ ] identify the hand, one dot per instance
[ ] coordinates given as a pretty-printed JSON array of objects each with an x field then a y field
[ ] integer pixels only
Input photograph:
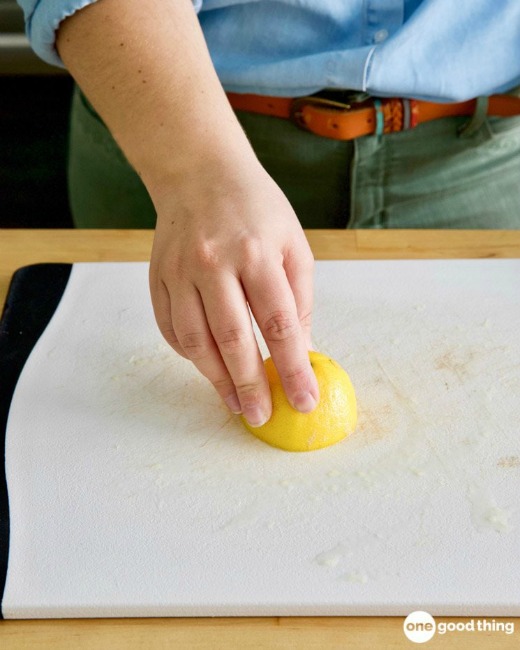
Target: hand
[
  {"x": 226, "y": 235},
  {"x": 225, "y": 239}
]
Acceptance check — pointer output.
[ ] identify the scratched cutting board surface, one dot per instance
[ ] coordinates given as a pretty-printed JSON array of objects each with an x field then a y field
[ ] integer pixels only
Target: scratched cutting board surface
[{"x": 133, "y": 492}]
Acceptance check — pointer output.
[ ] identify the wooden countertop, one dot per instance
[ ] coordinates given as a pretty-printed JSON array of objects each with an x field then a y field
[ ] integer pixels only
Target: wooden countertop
[{"x": 21, "y": 247}]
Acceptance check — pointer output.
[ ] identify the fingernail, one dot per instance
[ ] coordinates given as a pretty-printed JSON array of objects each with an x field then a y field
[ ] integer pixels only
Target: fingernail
[
  {"x": 233, "y": 404},
  {"x": 305, "y": 403},
  {"x": 255, "y": 416}
]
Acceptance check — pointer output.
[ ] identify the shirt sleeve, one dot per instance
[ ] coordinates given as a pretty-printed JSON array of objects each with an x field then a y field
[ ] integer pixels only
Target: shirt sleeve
[
  {"x": 450, "y": 51},
  {"x": 43, "y": 17}
]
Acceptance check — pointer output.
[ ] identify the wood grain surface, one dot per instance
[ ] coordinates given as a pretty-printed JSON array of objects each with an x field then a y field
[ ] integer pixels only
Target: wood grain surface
[{"x": 22, "y": 247}]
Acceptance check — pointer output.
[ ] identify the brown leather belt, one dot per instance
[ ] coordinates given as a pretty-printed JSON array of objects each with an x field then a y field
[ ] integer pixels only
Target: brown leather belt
[{"x": 346, "y": 121}]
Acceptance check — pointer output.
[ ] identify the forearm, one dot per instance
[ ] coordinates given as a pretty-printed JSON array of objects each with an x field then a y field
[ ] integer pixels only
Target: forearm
[
  {"x": 145, "y": 67},
  {"x": 226, "y": 237}
]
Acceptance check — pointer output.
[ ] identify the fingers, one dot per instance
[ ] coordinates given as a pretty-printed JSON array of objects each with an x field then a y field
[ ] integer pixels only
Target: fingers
[
  {"x": 186, "y": 329},
  {"x": 196, "y": 339},
  {"x": 162, "y": 311},
  {"x": 230, "y": 324},
  {"x": 209, "y": 323},
  {"x": 299, "y": 269},
  {"x": 273, "y": 304},
  {"x": 213, "y": 329}
]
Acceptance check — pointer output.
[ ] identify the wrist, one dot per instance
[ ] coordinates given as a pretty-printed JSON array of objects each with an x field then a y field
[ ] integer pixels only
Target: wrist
[{"x": 210, "y": 164}]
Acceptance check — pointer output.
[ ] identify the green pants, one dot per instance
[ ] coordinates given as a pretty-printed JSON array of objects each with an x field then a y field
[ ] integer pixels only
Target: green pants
[{"x": 427, "y": 177}]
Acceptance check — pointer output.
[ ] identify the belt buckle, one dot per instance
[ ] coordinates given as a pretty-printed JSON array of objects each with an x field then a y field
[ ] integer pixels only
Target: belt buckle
[{"x": 299, "y": 103}]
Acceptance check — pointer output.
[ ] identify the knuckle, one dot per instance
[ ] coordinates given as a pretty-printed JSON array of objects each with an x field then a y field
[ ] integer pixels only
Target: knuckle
[
  {"x": 251, "y": 249},
  {"x": 168, "y": 333},
  {"x": 178, "y": 349},
  {"x": 250, "y": 393},
  {"x": 172, "y": 340},
  {"x": 167, "y": 330},
  {"x": 231, "y": 340},
  {"x": 195, "y": 345},
  {"x": 222, "y": 384},
  {"x": 279, "y": 326},
  {"x": 207, "y": 256},
  {"x": 296, "y": 380},
  {"x": 174, "y": 266},
  {"x": 306, "y": 319}
]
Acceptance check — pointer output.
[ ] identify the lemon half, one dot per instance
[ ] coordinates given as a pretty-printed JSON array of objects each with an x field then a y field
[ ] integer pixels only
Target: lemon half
[{"x": 332, "y": 420}]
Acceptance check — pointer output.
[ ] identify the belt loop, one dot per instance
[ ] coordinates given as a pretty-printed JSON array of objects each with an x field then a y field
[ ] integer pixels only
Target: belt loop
[
  {"x": 407, "y": 114},
  {"x": 471, "y": 126},
  {"x": 380, "y": 118}
]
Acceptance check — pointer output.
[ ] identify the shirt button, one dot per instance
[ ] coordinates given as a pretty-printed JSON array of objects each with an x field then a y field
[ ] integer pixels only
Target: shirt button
[{"x": 380, "y": 36}]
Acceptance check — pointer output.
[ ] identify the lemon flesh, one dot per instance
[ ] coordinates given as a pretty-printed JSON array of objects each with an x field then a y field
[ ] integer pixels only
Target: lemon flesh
[{"x": 332, "y": 420}]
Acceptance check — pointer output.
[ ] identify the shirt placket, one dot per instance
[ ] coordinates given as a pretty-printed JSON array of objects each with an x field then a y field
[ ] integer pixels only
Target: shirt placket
[{"x": 382, "y": 19}]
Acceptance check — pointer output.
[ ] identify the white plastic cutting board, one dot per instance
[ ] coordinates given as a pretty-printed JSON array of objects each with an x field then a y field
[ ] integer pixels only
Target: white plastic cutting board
[{"x": 133, "y": 492}]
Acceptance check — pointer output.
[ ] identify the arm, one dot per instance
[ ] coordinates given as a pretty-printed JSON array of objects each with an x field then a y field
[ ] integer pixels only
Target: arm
[{"x": 226, "y": 235}]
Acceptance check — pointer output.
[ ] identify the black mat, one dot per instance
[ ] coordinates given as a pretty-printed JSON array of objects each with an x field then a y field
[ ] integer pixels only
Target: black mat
[{"x": 34, "y": 294}]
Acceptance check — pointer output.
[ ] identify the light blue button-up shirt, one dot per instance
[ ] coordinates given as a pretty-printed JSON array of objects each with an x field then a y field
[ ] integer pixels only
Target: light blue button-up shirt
[{"x": 444, "y": 50}]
